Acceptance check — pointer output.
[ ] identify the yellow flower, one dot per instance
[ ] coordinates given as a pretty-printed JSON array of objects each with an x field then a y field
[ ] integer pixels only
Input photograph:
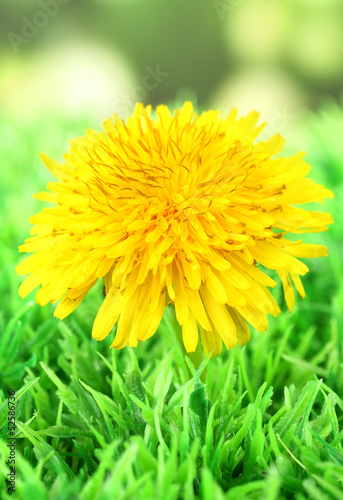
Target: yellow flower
[{"x": 181, "y": 209}]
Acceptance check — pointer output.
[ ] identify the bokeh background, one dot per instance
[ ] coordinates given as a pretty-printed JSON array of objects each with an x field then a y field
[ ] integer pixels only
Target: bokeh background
[{"x": 74, "y": 57}]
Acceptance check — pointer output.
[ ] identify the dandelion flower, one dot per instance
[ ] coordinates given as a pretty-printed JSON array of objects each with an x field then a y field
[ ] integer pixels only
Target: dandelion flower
[{"x": 182, "y": 209}]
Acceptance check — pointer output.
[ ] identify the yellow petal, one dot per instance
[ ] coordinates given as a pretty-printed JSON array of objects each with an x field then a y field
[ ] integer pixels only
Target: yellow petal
[
  {"x": 190, "y": 333},
  {"x": 220, "y": 317},
  {"x": 150, "y": 323},
  {"x": 108, "y": 314},
  {"x": 287, "y": 288},
  {"x": 254, "y": 316},
  {"x": 68, "y": 304},
  {"x": 211, "y": 342},
  {"x": 298, "y": 284},
  {"x": 181, "y": 304},
  {"x": 307, "y": 250},
  {"x": 197, "y": 307},
  {"x": 242, "y": 327}
]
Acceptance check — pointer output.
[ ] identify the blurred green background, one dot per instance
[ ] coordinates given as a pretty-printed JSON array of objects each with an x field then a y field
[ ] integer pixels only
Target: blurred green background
[{"x": 75, "y": 57}]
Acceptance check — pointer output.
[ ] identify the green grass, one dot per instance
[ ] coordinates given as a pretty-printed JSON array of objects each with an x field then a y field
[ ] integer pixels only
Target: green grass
[{"x": 259, "y": 422}]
